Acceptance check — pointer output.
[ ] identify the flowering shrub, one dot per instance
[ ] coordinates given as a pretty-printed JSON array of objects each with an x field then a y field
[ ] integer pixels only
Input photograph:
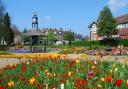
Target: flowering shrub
[{"x": 59, "y": 73}]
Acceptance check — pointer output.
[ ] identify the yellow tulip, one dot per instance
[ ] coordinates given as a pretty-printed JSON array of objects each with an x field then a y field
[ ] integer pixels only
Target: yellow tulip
[
  {"x": 110, "y": 71},
  {"x": 123, "y": 66},
  {"x": 114, "y": 65},
  {"x": 99, "y": 86},
  {"x": 116, "y": 69},
  {"x": 102, "y": 79},
  {"x": 11, "y": 84},
  {"x": 27, "y": 63},
  {"x": 69, "y": 73},
  {"x": 32, "y": 80},
  {"x": 46, "y": 71},
  {"x": 77, "y": 61}
]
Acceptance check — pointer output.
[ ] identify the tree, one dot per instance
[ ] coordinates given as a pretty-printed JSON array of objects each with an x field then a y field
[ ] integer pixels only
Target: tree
[
  {"x": 2, "y": 9},
  {"x": 8, "y": 33},
  {"x": 25, "y": 30},
  {"x": 51, "y": 37},
  {"x": 15, "y": 30},
  {"x": 68, "y": 36},
  {"x": 106, "y": 23}
]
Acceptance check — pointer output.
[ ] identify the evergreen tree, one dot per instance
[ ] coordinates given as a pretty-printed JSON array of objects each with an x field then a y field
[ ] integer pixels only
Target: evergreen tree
[
  {"x": 8, "y": 33},
  {"x": 106, "y": 23},
  {"x": 2, "y": 9},
  {"x": 68, "y": 36},
  {"x": 25, "y": 30}
]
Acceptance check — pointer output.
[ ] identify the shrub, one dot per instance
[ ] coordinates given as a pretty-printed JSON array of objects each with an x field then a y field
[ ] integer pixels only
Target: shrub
[{"x": 4, "y": 53}]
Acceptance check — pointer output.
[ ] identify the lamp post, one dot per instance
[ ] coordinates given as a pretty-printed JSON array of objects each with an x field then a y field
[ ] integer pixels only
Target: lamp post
[
  {"x": 45, "y": 42},
  {"x": 90, "y": 35},
  {"x": 120, "y": 46}
]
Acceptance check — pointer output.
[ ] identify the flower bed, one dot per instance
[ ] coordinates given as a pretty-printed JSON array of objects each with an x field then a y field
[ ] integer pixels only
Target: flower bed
[{"x": 59, "y": 73}]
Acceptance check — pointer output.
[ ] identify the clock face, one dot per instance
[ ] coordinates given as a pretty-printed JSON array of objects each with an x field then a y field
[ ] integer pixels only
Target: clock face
[{"x": 34, "y": 20}]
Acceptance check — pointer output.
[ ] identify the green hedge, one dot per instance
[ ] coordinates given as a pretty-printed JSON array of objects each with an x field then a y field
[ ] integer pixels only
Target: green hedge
[
  {"x": 113, "y": 42},
  {"x": 81, "y": 43},
  {"x": 124, "y": 42},
  {"x": 85, "y": 43},
  {"x": 4, "y": 53}
]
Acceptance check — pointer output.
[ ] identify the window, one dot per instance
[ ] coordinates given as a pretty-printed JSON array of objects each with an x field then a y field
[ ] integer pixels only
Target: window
[
  {"x": 118, "y": 27},
  {"x": 123, "y": 25},
  {"x": 126, "y": 25}
]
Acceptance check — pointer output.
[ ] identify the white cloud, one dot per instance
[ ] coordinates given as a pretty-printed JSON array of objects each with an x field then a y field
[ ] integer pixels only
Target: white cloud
[
  {"x": 117, "y": 4},
  {"x": 48, "y": 18}
]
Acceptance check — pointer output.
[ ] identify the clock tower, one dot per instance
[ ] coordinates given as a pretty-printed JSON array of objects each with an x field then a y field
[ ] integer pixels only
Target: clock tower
[{"x": 35, "y": 21}]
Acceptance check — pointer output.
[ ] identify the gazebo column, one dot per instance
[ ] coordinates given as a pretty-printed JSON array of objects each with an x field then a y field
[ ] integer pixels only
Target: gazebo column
[
  {"x": 22, "y": 39},
  {"x": 30, "y": 43}
]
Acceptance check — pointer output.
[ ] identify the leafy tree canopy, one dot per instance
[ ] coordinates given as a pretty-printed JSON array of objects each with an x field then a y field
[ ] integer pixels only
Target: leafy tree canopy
[
  {"x": 68, "y": 36},
  {"x": 106, "y": 23},
  {"x": 51, "y": 36}
]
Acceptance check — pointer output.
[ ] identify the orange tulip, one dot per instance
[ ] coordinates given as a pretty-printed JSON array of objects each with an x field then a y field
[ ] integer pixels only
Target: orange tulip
[
  {"x": 48, "y": 75},
  {"x": 127, "y": 82},
  {"x": 11, "y": 84},
  {"x": 93, "y": 67},
  {"x": 46, "y": 71}
]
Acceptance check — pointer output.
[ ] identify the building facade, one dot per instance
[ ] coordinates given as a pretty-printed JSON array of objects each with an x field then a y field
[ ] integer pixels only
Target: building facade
[
  {"x": 122, "y": 22},
  {"x": 122, "y": 26}
]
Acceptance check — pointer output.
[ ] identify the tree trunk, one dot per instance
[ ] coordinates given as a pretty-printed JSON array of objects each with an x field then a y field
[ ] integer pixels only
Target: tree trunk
[{"x": 69, "y": 43}]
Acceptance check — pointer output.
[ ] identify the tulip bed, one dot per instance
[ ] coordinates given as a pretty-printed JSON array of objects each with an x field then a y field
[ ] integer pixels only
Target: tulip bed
[{"x": 65, "y": 74}]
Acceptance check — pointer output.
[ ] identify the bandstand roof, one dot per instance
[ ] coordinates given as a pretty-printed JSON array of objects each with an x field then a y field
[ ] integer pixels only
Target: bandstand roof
[{"x": 34, "y": 32}]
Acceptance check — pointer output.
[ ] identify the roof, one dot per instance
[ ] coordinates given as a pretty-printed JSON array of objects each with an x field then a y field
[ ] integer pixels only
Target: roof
[
  {"x": 122, "y": 19},
  {"x": 91, "y": 24},
  {"x": 34, "y": 32}
]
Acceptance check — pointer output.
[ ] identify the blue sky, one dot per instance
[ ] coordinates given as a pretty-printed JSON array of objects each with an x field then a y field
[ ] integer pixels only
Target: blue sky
[{"x": 68, "y": 14}]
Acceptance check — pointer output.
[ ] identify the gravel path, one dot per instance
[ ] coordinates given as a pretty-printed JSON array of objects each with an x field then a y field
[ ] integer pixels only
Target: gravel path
[{"x": 10, "y": 61}]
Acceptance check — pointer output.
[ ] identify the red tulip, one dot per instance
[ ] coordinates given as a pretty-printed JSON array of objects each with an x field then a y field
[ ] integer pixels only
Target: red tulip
[
  {"x": 65, "y": 75},
  {"x": 118, "y": 82},
  {"x": 108, "y": 78},
  {"x": 23, "y": 68},
  {"x": 85, "y": 82},
  {"x": 81, "y": 83},
  {"x": 62, "y": 80},
  {"x": 2, "y": 87},
  {"x": 72, "y": 63},
  {"x": 44, "y": 85}
]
